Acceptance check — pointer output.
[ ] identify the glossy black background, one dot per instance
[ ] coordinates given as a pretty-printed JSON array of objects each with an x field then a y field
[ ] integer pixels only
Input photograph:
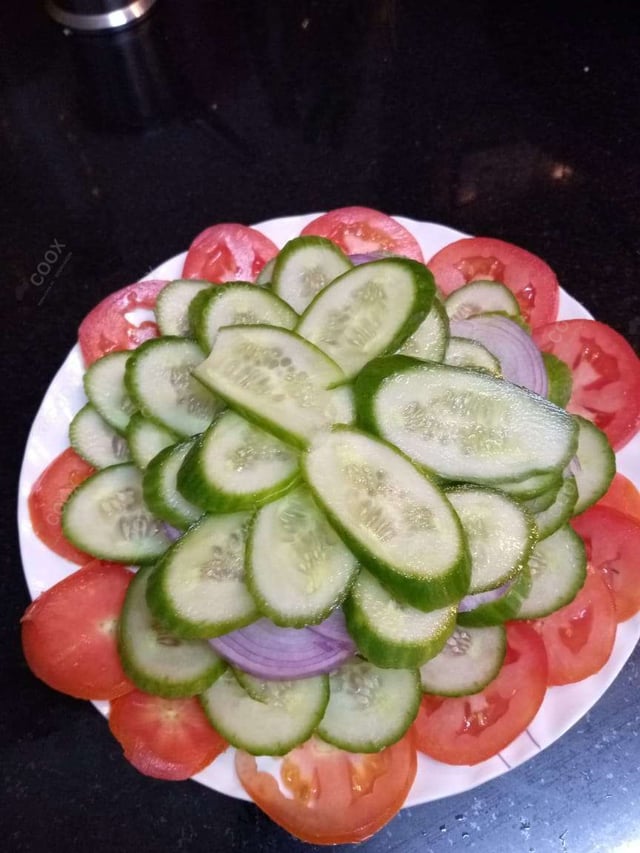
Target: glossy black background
[{"x": 520, "y": 121}]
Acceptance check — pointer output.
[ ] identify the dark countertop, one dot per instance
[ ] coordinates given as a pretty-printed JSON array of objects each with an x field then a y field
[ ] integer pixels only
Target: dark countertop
[{"x": 520, "y": 121}]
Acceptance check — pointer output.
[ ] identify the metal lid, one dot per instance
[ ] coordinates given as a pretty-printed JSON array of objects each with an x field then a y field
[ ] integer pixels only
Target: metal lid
[{"x": 95, "y": 15}]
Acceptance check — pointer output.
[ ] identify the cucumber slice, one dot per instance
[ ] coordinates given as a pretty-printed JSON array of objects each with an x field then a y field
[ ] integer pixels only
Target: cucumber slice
[
  {"x": 160, "y": 490},
  {"x": 369, "y": 707},
  {"x": 500, "y": 535},
  {"x": 266, "y": 274},
  {"x": 369, "y": 310},
  {"x": 596, "y": 466},
  {"x": 501, "y": 609},
  {"x": 544, "y": 500},
  {"x": 391, "y": 516},
  {"x": 198, "y": 588},
  {"x": 470, "y": 659},
  {"x": 304, "y": 267},
  {"x": 462, "y": 424},
  {"x": 239, "y": 304},
  {"x": 551, "y": 519},
  {"x": 430, "y": 339},
  {"x": 532, "y": 487},
  {"x": 560, "y": 379},
  {"x": 277, "y": 380},
  {"x": 298, "y": 570},
  {"x": 392, "y": 634},
  {"x": 481, "y": 297},
  {"x": 106, "y": 516},
  {"x": 235, "y": 465},
  {"x": 462, "y": 352},
  {"x": 159, "y": 380},
  {"x": 558, "y": 569},
  {"x": 105, "y": 387},
  {"x": 172, "y": 305},
  {"x": 146, "y": 439},
  {"x": 155, "y": 660},
  {"x": 286, "y": 714},
  {"x": 98, "y": 443}
]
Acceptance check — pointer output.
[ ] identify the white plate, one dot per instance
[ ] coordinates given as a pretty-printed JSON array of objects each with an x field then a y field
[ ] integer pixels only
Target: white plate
[{"x": 562, "y": 707}]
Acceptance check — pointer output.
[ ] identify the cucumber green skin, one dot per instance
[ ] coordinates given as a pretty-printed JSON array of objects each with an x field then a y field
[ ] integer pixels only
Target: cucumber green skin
[
  {"x": 560, "y": 511},
  {"x": 501, "y": 610},
  {"x": 75, "y": 439},
  {"x": 196, "y": 307},
  {"x": 120, "y": 426},
  {"x": 371, "y": 378},
  {"x": 542, "y": 501},
  {"x": 560, "y": 379},
  {"x": 134, "y": 558},
  {"x": 199, "y": 324},
  {"x": 154, "y": 487},
  {"x": 571, "y": 593},
  {"x": 532, "y": 530},
  {"x": 195, "y": 487},
  {"x": 367, "y": 746},
  {"x": 423, "y": 299},
  {"x": 420, "y": 593},
  {"x": 280, "y": 748},
  {"x": 132, "y": 387},
  {"x": 165, "y": 687},
  {"x": 532, "y": 487},
  {"x": 281, "y": 619},
  {"x": 383, "y": 652},
  {"x": 584, "y": 501},
  {"x": 292, "y": 247},
  {"x": 433, "y": 690},
  {"x": 162, "y": 608}
]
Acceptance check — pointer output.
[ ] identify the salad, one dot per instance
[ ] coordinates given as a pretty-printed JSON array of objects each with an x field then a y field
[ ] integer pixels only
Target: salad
[{"x": 373, "y": 503}]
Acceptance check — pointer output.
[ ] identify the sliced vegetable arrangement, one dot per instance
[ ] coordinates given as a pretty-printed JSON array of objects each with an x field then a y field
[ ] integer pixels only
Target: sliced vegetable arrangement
[{"x": 364, "y": 522}]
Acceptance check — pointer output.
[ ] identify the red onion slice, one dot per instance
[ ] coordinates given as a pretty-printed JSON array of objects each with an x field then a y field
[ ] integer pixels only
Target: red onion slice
[
  {"x": 335, "y": 628},
  {"x": 171, "y": 532},
  {"x": 367, "y": 257},
  {"x": 267, "y": 651},
  {"x": 470, "y": 602},
  {"x": 520, "y": 359}
]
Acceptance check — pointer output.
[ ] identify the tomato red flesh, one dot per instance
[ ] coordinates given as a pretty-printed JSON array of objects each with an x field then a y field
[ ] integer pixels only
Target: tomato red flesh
[
  {"x": 470, "y": 729},
  {"x": 361, "y": 230},
  {"x": 107, "y": 328},
  {"x": 228, "y": 252},
  {"x": 623, "y": 496},
  {"x": 164, "y": 738},
  {"x": 336, "y": 797},
  {"x": 69, "y": 633},
  {"x": 531, "y": 280},
  {"x": 579, "y": 637},
  {"x": 606, "y": 374},
  {"x": 47, "y": 497},
  {"x": 612, "y": 540}
]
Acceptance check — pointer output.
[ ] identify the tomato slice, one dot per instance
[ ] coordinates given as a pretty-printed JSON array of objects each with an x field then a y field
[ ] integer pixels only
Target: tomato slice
[
  {"x": 107, "y": 327},
  {"x": 69, "y": 633},
  {"x": 532, "y": 281},
  {"x": 335, "y": 797},
  {"x": 579, "y": 637},
  {"x": 228, "y": 252},
  {"x": 623, "y": 496},
  {"x": 361, "y": 230},
  {"x": 164, "y": 738},
  {"x": 612, "y": 540},
  {"x": 470, "y": 729},
  {"x": 606, "y": 374},
  {"x": 47, "y": 498}
]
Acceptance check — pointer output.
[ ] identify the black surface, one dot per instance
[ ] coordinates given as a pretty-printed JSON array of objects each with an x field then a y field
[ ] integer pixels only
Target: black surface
[{"x": 517, "y": 120}]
